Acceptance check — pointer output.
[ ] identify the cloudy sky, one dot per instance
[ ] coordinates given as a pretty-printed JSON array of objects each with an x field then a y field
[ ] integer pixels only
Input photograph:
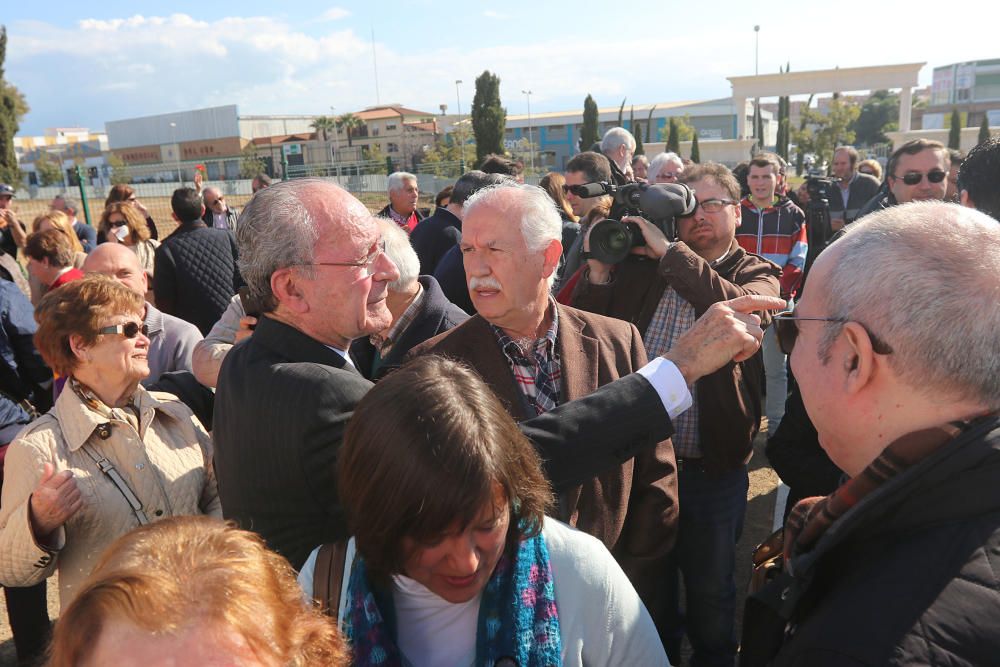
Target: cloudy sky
[{"x": 81, "y": 64}]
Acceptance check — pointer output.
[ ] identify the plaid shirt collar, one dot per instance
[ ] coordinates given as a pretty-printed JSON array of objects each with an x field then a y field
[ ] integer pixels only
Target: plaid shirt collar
[
  {"x": 546, "y": 345},
  {"x": 384, "y": 343}
]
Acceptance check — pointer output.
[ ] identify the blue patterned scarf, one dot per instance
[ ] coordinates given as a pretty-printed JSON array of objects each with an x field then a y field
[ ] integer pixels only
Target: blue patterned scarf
[{"x": 517, "y": 614}]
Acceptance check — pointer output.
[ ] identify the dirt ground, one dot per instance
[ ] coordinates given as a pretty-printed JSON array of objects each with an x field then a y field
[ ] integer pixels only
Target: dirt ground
[{"x": 760, "y": 510}]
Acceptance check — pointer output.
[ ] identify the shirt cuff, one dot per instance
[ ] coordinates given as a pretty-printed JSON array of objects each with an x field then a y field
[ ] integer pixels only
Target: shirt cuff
[{"x": 668, "y": 382}]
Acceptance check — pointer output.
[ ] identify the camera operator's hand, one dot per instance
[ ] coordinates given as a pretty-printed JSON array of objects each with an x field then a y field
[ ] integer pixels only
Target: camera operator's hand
[
  {"x": 600, "y": 272},
  {"x": 728, "y": 331},
  {"x": 656, "y": 242}
]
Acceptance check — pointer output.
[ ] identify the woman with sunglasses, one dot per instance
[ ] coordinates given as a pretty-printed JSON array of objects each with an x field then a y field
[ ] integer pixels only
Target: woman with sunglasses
[
  {"x": 125, "y": 193},
  {"x": 109, "y": 456},
  {"x": 121, "y": 223}
]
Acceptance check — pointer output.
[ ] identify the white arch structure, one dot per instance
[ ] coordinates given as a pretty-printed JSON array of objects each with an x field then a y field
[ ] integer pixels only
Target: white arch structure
[{"x": 839, "y": 80}]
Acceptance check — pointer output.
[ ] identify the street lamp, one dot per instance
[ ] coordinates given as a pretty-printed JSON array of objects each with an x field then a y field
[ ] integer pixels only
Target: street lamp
[
  {"x": 461, "y": 143},
  {"x": 756, "y": 71},
  {"x": 177, "y": 149},
  {"x": 531, "y": 143}
]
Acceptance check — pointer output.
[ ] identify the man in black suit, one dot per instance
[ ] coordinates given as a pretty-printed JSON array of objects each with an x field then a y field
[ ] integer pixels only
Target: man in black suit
[
  {"x": 285, "y": 394},
  {"x": 419, "y": 310}
]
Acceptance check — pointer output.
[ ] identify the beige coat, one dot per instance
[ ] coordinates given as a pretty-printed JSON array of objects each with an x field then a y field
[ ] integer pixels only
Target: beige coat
[{"x": 168, "y": 465}]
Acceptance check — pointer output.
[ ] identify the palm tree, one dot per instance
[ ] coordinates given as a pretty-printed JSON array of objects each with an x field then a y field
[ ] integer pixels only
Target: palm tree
[
  {"x": 323, "y": 125},
  {"x": 349, "y": 122}
]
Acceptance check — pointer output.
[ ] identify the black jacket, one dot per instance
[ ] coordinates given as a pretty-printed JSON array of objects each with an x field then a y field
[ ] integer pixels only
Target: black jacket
[
  {"x": 450, "y": 275},
  {"x": 435, "y": 236},
  {"x": 909, "y": 576},
  {"x": 883, "y": 199},
  {"x": 436, "y": 315},
  {"x": 195, "y": 274},
  {"x": 232, "y": 216},
  {"x": 283, "y": 401}
]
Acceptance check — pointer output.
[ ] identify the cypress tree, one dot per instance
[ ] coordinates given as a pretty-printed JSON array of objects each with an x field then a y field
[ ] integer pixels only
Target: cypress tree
[
  {"x": 588, "y": 133},
  {"x": 673, "y": 138},
  {"x": 695, "y": 151},
  {"x": 639, "y": 150},
  {"x": 621, "y": 111},
  {"x": 984, "y": 129},
  {"x": 488, "y": 118},
  {"x": 955, "y": 131}
]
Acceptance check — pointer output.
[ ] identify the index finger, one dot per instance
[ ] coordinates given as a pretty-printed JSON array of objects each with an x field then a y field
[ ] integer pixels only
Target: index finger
[{"x": 748, "y": 303}]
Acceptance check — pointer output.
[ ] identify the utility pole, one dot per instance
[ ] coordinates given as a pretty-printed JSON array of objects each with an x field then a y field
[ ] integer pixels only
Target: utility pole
[
  {"x": 461, "y": 143},
  {"x": 177, "y": 153},
  {"x": 531, "y": 143},
  {"x": 756, "y": 71}
]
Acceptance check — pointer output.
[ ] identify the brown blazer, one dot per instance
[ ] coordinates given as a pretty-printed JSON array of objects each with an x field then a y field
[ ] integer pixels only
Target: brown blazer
[{"x": 631, "y": 508}]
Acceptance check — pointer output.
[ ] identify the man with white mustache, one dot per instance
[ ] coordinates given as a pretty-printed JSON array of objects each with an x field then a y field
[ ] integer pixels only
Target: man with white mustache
[
  {"x": 536, "y": 354},
  {"x": 714, "y": 440}
]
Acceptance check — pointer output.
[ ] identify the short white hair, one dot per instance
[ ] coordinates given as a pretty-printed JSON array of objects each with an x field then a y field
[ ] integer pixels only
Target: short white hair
[
  {"x": 530, "y": 206},
  {"x": 397, "y": 180},
  {"x": 660, "y": 161},
  {"x": 925, "y": 278},
  {"x": 615, "y": 137},
  {"x": 402, "y": 254}
]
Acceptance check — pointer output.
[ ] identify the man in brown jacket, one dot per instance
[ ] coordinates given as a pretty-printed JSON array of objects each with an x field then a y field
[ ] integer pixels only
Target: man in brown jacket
[
  {"x": 536, "y": 354},
  {"x": 663, "y": 290}
]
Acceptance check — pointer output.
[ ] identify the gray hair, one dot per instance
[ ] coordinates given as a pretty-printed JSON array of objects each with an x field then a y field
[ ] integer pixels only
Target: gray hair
[
  {"x": 615, "y": 137},
  {"x": 940, "y": 316},
  {"x": 69, "y": 203},
  {"x": 662, "y": 160},
  {"x": 275, "y": 231},
  {"x": 402, "y": 254},
  {"x": 397, "y": 180},
  {"x": 530, "y": 205}
]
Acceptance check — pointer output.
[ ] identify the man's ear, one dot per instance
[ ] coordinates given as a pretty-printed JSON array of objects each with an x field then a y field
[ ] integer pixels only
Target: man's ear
[
  {"x": 963, "y": 197},
  {"x": 858, "y": 358},
  {"x": 286, "y": 290}
]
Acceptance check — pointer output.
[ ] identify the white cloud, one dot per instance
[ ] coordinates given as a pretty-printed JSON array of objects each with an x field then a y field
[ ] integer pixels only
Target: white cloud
[
  {"x": 491, "y": 14},
  {"x": 335, "y": 14}
]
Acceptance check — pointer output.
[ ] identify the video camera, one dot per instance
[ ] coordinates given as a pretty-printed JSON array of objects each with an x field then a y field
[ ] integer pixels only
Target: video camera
[
  {"x": 660, "y": 203},
  {"x": 820, "y": 188}
]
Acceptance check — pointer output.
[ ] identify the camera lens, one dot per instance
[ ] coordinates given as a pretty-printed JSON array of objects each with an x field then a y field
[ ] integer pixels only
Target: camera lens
[{"x": 610, "y": 241}]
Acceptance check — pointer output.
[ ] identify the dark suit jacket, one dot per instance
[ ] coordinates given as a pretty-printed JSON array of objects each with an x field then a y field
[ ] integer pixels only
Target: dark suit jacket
[
  {"x": 450, "y": 274},
  {"x": 283, "y": 401},
  {"x": 436, "y": 315},
  {"x": 632, "y": 508},
  {"x": 232, "y": 215},
  {"x": 861, "y": 190},
  {"x": 435, "y": 236}
]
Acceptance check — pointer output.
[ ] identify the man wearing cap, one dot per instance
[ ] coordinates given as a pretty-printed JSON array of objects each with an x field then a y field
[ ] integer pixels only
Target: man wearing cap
[{"x": 14, "y": 234}]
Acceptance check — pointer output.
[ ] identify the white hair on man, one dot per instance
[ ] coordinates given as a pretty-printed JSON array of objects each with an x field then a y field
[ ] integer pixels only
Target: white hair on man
[
  {"x": 925, "y": 278},
  {"x": 402, "y": 254},
  {"x": 615, "y": 138},
  {"x": 530, "y": 206},
  {"x": 657, "y": 164},
  {"x": 398, "y": 179}
]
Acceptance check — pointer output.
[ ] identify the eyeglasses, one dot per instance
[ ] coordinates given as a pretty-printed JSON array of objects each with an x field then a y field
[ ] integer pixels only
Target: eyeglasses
[
  {"x": 117, "y": 223},
  {"x": 377, "y": 251},
  {"x": 129, "y": 329},
  {"x": 787, "y": 329},
  {"x": 709, "y": 206},
  {"x": 914, "y": 177}
]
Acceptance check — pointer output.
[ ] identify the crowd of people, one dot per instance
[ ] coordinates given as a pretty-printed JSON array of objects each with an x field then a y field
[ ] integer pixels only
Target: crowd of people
[{"x": 304, "y": 434}]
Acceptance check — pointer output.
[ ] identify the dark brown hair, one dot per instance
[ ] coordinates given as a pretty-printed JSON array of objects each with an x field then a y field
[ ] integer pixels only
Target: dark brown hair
[
  {"x": 594, "y": 166},
  {"x": 423, "y": 452},
  {"x": 182, "y": 571},
  {"x": 552, "y": 183},
  {"x": 913, "y": 147},
  {"x": 119, "y": 192},
  {"x": 715, "y": 172},
  {"x": 78, "y": 308},
  {"x": 138, "y": 230},
  {"x": 52, "y": 245}
]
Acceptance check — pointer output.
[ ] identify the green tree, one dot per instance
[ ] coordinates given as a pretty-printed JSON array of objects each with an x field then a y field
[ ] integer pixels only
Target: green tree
[
  {"x": 119, "y": 172},
  {"x": 639, "y": 150},
  {"x": 879, "y": 114},
  {"x": 324, "y": 127},
  {"x": 350, "y": 124},
  {"x": 955, "y": 130},
  {"x": 11, "y": 104},
  {"x": 444, "y": 157},
  {"x": 488, "y": 118},
  {"x": 685, "y": 129},
  {"x": 48, "y": 170},
  {"x": 695, "y": 151},
  {"x": 588, "y": 133},
  {"x": 251, "y": 163},
  {"x": 820, "y": 134},
  {"x": 984, "y": 129},
  {"x": 649, "y": 121},
  {"x": 783, "y": 136},
  {"x": 621, "y": 111},
  {"x": 673, "y": 137}
]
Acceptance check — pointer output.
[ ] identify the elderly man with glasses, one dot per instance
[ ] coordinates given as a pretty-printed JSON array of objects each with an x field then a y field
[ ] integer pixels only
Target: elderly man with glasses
[
  {"x": 901, "y": 380},
  {"x": 663, "y": 289},
  {"x": 218, "y": 214}
]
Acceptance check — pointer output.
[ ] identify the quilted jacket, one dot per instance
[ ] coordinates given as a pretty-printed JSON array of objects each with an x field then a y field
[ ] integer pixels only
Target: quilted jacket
[
  {"x": 167, "y": 464},
  {"x": 911, "y": 575},
  {"x": 196, "y": 274}
]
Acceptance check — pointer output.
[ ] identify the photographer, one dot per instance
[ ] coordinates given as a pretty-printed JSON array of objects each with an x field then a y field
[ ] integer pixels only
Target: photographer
[{"x": 663, "y": 288}]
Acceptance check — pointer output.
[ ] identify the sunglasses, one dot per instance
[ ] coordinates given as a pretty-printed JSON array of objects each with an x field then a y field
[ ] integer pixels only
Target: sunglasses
[
  {"x": 117, "y": 223},
  {"x": 914, "y": 177},
  {"x": 213, "y": 203},
  {"x": 129, "y": 329},
  {"x": 786, "y": 328}
]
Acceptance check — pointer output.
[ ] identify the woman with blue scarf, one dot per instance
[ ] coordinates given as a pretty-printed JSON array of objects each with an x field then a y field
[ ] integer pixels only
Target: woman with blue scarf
[{"x": 453, "y": 562}]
